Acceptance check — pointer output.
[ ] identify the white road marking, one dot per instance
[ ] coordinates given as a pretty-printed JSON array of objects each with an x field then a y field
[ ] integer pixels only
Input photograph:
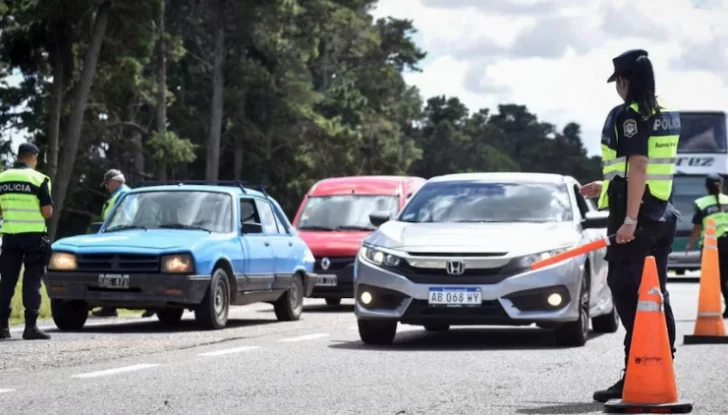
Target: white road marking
[
  {"x": 115, "y": 371},
  {"x": 228, "y": 351},
  {"x": 304, "y": 338},
  {"x": 7, "y": 390}
]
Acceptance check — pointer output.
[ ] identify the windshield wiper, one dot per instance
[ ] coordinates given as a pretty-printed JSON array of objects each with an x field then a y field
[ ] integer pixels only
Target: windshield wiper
[
  {"x": 316, "y": 228},
  {"x": 182, "y": 226},
  {"x": 124, "y": 227},
  {"x": 353, "y": 228}
]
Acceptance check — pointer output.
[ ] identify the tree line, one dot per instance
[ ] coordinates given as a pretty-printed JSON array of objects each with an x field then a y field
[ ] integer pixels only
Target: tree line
[{"x": 278, "y": 92}]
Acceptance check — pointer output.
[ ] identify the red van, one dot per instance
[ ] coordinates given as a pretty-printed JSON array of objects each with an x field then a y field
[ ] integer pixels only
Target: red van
[{"x": 333, "y": 220}]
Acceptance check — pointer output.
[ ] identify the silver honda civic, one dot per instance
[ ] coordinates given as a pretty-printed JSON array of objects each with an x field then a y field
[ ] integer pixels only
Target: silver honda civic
[{"x": 460, "y": 251}]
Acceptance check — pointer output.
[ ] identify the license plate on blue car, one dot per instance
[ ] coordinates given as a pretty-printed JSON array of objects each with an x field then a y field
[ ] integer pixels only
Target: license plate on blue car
[{"x": 455, "y": 296}]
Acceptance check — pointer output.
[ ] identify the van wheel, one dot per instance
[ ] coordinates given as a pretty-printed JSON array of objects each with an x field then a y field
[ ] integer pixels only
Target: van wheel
[
  {"x": 576, "y": 333},
  {"x": 289, "y": 306},
  {"x": 213, "y": 312},
  {"x": 69, "y": 315}
]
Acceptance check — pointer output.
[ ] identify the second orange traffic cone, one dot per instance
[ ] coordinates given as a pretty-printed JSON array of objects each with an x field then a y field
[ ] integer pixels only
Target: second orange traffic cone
[
  {"x": 649, "y": 382},
  {"x": 709, "y": 326}
]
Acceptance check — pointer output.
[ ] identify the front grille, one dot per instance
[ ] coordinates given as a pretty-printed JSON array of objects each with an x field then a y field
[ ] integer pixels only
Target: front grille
[
  {"x": 121, "y": 263},
  {"x": 335, "y": 264},
  {"x": 470, "y": 276},
  {"x": 459, "y": 254},
  {"x": 491, "y": 310}
]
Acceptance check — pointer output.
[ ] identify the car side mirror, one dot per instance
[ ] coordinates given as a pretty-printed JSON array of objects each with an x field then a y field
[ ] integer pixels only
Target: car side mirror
[
  {"x": 595, "y": 220},
  {"x": 249, "y": 227},
  {"x": 378, "y": 219},
  {"x": 94, "y": 227}
]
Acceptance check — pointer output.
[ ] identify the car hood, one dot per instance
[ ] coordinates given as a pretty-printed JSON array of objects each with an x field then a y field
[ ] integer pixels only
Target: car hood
[
  {"x": 340, "y": 243},
  {"x": 153, "y": 239},
  {"x": 504, "y": 238}
]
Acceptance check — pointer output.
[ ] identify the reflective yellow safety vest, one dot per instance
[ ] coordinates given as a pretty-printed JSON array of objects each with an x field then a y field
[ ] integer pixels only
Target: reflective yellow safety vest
[
  {"x": 19, "y": 188},
  {"x": 710, "y": 208},
  {"x": 112, "y": 201},
  {"x": 661, "y": 154}
]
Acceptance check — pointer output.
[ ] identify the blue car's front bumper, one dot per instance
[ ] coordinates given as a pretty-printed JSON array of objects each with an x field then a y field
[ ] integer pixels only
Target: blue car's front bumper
[{"x": 145, "y": 290}]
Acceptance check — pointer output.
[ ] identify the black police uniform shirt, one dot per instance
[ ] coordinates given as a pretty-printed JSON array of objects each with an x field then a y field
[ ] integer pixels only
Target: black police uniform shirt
[
  {"x": 44, "y": 193},
  {"x": 632, "y": 136}
]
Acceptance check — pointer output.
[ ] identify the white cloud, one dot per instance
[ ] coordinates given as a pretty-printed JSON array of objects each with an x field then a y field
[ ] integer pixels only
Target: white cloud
[{"x": 555, "y": 55}]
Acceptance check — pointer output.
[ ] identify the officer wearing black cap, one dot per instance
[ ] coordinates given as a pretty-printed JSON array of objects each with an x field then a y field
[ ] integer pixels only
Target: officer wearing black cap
[
  {"x": 25, "y": 201},
  {"x": 713, "y": 206},
  {"x": 639, "y": 150}
]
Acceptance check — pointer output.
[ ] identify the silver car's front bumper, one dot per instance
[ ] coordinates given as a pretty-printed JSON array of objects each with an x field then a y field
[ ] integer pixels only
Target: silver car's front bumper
[{"x": 516, "y": 300}]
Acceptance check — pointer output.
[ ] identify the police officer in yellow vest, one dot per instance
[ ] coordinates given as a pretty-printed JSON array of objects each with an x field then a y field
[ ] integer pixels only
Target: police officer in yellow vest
[
  {"x": 25, "y": 201},
  {"x": 639, "y": 148},
  {"x": 714, "y": 205}
]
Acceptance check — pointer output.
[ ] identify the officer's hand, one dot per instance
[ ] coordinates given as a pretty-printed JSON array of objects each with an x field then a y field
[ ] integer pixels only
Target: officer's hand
[
  {"x": 625, "y": 233},
  {"x": 591, "y": 190},
  {"x": 688, "y": 246}
]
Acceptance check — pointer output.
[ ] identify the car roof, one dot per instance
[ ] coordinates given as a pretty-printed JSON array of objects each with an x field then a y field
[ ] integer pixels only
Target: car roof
[
  {"x": 505, "y": 177},
  {"x": 235, "y": 191},
  {"x": 388, "y": 185}
]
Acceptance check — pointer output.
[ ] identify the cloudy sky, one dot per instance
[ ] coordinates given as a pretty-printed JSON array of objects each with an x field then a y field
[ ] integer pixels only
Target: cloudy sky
[{"x": 555, "y": 55}]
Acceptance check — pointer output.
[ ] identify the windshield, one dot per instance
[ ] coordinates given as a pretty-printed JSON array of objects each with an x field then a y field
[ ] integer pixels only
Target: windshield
[
  {"x": 475, "y": 201},
  {"x": 702, "y": 133},
  {"x": 208, "y": 211},
  {"x": 686, "y": 190},
  {"x": 345, "y": 212}
]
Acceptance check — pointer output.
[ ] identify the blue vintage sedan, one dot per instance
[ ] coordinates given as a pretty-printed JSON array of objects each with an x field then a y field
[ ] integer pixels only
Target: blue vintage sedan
[{"x": 172, "y": 247}]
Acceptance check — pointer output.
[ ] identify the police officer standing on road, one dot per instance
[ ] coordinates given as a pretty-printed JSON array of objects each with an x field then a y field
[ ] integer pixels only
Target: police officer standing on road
[
  {"x": 715, "y": 206},
  {"x": 115, "y": 184},
  {"x": 25, "y": 201},
  {"x": 639, "y": 148}
]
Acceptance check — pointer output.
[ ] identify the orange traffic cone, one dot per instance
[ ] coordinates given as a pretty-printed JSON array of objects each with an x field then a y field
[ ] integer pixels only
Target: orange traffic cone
[
  {"x": 709, "y": 327},
  {"x": 649, "y": 383}
]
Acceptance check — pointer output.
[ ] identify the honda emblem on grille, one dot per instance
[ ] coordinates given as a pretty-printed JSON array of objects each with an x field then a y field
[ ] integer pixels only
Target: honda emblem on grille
[
  {"x": 115, "y": 262},
  {"x": 455, "y": 267},
  {"x": 325, "y": 264}
]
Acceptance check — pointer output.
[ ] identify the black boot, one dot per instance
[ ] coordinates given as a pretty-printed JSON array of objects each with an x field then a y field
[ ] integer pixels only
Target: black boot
[
  {"x": 4, "y": 328},
  {"x": 612, "y": 392},
  {"x": 32, "y": 332}
]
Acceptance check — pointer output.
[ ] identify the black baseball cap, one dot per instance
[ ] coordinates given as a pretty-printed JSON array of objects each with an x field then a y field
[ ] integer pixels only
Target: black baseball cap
[
  {"x": 713, "y": 178},
  {"x": 28, "y": 148},
  {"x": 624, "y": 63},
  {"x": 112, "y": 174}
]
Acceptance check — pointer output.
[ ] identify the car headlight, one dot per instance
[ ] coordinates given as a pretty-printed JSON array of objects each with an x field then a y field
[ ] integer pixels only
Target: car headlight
[
  {"x": 62, "y": 261},
  {"x": 380, "y": 258},
  {"x": 178, "y": 263},
  {"x": 527, "y": 260}
]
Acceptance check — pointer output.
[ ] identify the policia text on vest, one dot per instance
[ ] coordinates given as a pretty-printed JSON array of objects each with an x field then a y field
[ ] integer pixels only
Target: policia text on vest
[{"x": 26, "y": 203}]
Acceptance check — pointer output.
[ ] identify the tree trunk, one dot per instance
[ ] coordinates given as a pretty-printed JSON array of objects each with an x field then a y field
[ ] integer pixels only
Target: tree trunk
[
  {"x": 54, "y": 124},
  {"x": 161, "y": 87},
  {"x": 71, "y": 140},
  {"x": 238, "y": 158},
  {"x": 213, "y": 143}
]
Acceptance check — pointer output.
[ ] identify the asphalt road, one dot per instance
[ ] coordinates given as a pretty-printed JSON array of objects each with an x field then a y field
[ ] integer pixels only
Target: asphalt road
[{"x": 318, "y": 366}]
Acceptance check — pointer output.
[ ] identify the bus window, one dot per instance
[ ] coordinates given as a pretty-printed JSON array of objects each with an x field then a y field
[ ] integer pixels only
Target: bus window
[{"x": 702, "y": 133}]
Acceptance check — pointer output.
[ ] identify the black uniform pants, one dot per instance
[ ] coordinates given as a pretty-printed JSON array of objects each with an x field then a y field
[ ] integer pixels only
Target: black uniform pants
[
  {"x": 626, "y": 264},
  {"x": 723, "y": 266},
  {"x": 19, "y": 249}
]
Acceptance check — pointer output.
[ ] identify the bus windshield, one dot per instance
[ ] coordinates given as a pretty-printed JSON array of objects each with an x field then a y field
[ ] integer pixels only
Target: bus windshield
[{"x": 702, "y": 132}]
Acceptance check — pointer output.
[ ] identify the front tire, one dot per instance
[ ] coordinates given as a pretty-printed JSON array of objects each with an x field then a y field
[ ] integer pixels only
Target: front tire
[
  {"x": 576, "y": 333},
  {"x": 69, "y": 315},
  {"x": 608, "y": 323},
  {"x": 213, "y": 312},
  {"x": 170, "y": 316},
  {"x": 289, "y": 306},
  {"x": 377, "y": 332}
]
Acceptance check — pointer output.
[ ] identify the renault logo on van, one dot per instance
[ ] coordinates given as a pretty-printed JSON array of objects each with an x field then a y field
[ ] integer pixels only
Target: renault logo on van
[
  {"x": 455, "y": 267},
  {"x": 325, "y": 264}
]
